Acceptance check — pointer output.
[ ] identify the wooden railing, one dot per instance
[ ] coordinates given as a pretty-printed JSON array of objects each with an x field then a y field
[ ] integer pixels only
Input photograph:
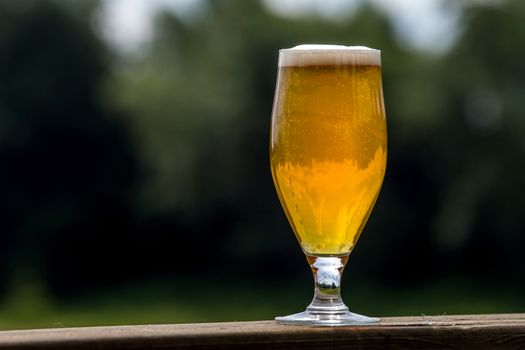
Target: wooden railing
[{"x": 420, "y": 332}]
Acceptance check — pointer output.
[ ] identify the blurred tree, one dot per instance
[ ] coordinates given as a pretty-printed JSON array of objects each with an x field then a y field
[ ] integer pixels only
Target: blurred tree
[
  {"x": 201, "y": 97},
  {"x": 156, "y": 163},
  {"x": 67, "y": 163},
  {"x": 481, "y": 176}
]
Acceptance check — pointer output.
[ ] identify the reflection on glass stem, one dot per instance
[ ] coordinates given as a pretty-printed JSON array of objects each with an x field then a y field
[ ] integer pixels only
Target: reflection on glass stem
[{"x": 327, "y": 307}]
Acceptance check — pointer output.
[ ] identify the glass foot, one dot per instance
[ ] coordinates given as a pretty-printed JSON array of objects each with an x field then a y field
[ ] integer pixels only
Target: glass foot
[
  {"x": 320, "y": 318},
  {"x": 327, "y": 307}
]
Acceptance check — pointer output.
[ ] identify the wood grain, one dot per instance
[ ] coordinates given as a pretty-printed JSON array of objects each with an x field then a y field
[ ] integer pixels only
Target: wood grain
[{"x": 503, "y": 331}]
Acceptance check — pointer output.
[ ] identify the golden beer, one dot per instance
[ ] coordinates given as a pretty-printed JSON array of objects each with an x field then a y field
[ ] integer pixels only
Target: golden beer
[{"x": 328, "y": 144}]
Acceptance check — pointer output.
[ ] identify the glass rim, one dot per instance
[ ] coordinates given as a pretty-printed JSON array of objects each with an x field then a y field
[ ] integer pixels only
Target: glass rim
[
  {"x": 330, "y": 48},
  {"x": 319, "y": 54}
]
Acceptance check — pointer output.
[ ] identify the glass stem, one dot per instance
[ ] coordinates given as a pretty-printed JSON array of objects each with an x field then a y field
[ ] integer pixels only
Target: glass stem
[{"x": 327, "y": 271}]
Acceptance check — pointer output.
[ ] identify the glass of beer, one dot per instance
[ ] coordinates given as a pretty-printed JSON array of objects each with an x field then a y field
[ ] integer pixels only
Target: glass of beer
[{"x": 328, "y": 150}]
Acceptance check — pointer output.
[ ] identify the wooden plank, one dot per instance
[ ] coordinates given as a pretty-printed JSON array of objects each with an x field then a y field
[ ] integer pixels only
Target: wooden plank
[{"x": 504, "y": 331}]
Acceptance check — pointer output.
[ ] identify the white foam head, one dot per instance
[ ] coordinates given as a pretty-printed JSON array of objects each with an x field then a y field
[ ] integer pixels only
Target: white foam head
[{"x": 321, "y": 55}]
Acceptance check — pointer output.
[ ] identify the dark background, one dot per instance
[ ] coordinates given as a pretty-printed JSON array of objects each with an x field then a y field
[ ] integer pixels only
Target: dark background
[{"x": 135, "y": 187}]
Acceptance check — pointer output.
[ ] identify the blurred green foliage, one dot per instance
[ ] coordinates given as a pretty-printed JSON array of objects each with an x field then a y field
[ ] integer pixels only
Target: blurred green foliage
[{"x": 119, "y": 167}]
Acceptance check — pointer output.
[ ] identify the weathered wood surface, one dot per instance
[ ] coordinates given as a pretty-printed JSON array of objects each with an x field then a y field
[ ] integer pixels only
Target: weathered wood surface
[{"x": 505, "y": 331}]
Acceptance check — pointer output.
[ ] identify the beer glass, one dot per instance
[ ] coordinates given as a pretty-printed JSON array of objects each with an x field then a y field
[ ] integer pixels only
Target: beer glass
[{"x": 328, "y": 150}]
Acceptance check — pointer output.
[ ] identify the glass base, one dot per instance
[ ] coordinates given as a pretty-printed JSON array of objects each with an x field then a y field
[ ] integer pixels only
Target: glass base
[
  {"x": 327, "y": 307},
  {"x": 326, "y": 318}
]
